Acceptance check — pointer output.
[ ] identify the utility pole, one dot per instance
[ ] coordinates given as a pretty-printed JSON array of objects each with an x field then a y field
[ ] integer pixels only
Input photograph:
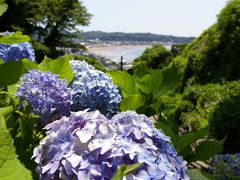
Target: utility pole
[{"x": 121, "y": 63}]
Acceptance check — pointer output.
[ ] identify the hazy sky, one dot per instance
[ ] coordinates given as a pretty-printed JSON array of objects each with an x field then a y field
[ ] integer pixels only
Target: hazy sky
[{"x": 168, "y": 17}]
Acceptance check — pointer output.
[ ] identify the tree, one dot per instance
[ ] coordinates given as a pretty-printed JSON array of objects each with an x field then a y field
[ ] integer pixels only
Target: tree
[
  {"x": 156, "y": 57},
  {"x": 50, "y": 23},
  {"x": 215, "y": 55}
]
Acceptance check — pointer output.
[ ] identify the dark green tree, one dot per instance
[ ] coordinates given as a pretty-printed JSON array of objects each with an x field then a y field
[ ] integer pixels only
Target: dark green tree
[
  {"x": 50, "y": 23},
  {"x": 156, "y": 57}
]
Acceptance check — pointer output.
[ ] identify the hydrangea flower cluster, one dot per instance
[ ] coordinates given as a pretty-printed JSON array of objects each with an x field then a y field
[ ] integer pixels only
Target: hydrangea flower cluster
[
  {"x": 12, "y": 52},
  {"x": 93, "y": 89},
  {"x": 86, "y": 145},
  {"x": 226, "y": 166},
  {"x": 46, "y": 93}
]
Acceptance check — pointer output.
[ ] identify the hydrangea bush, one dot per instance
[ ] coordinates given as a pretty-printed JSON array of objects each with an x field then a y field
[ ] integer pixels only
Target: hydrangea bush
[
  {"x": 93, "y": 89},
  {"x": 226, "y": 166},
  {"x": 12, "y": 52},
  {"x": 86, "y": 145},
  {"x": 46, "y": 93}
]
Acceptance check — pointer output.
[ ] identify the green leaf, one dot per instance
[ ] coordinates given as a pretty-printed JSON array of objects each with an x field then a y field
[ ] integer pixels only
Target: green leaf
[
  {"x": 207, "y": 149},
  {"x": 151, "y": 82},
  {"x": 3, "y": 8},
  {"x": 14, "y": 38},
  {"x": 167, "y": 130},
  {"x": 196, "y": 174},
  {"x": 159, "y": 82},
  {"x": 132, "y": 102},
  {"x": 10, "y": 166},
  {"x": 6, "y": 111},
  {"x": 125, "y": 170},
  {"x": 1, "y": 61},
  {"x": 12, "y": 88},
  {"x": 60, "y": 66},
  {"x": 190, "y": 138},
  {"x": 125, "y": 81},
  {"x": 170, "y": 80},
  {"x": 11, "y": 72}
]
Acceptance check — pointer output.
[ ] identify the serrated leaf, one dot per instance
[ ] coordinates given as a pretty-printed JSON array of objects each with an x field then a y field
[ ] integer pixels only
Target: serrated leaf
[
  {"x": 14, "y": 38},
  {"x": 207, "y": 149},
  {"x": 60, "y": 66},
  {"x": 11, "y": 72},
  {"x": 3, "y": 8},
  {"x": 125, "y": 170},
  {"x": 125, "y": 81},
  {"x": 10, "y": 166},
  {"x": 190, "y": 138},
  {"x": 132, "y": 102}
]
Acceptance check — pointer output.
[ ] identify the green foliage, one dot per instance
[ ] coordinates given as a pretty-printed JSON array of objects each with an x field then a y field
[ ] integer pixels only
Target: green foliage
[
  {"x": 141, "y": 92},
  {"x": 3, "y": 7},
  {"x": 10, "y": 167},
  {"x": 47, "y": 22},
  {"x": 156, "y": 57},
  {"x": 204, "y": 148},
  {"x": 90, "y": 60},
  {"x": 198, "y": 102},
  {"x": 14, "y": 38},
  {"x": 14, "y": 70},
  {"x": 125, "y": 170},
  {"x": 225, "y": 121},
  {"x": 196, "y": 174},
  {"x": 177, "y": 49},
  {"x": 60, "y": 66},
  {"x": 215, "y": 55}
]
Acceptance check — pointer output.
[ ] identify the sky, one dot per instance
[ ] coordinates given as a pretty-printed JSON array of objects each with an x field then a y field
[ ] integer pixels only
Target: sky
[{"x": 166, "y": 17}]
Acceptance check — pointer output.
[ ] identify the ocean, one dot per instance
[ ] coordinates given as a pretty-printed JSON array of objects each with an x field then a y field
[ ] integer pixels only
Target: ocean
[{"x": 114, "y": 52}]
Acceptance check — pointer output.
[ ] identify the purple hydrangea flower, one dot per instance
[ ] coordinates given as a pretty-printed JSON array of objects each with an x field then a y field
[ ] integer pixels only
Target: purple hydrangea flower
[
  {"x": 46, "y": 93},
  {"x": 12, "y": 52},
  {"x": 93, "y": 89},
  {"x": 86, "y": 145}
]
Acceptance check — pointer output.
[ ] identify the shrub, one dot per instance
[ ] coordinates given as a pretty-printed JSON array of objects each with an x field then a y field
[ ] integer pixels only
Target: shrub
[
  {"x": 198, "y": 102},
  {"x": 225, "y": 121},
  {"x": 156, "y": 57}
]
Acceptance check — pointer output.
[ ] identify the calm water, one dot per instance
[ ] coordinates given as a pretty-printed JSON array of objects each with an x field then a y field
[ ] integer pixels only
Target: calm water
[{"x": 114, "y": 53}]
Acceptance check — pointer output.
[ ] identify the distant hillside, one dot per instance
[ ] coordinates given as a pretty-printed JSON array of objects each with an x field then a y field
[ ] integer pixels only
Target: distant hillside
[{"x": 140, "y": 37}]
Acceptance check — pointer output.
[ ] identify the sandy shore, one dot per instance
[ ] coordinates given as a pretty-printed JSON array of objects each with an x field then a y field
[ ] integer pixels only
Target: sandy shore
[{"x": 114, "y": 52}]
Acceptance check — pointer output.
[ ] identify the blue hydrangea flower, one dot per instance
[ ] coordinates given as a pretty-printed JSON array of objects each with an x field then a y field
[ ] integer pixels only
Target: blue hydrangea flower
[
  {"x": 159, "y": 153},
  {"x": 226, "y": 166},
  {"x": 46, "y": 93},
  {"x": 93, "y": 89},
  {"x": 86, "y": 145},
  {"x": 12, "y": 52}
]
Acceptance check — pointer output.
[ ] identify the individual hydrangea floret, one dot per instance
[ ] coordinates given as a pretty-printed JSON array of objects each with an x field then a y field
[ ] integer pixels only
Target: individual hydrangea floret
[
  {"x": 86, "y": 145},
  {"x": 93, "y": 89},
  {"x": 18, "y": 51},
  {"x": 46, "y": 93}
]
